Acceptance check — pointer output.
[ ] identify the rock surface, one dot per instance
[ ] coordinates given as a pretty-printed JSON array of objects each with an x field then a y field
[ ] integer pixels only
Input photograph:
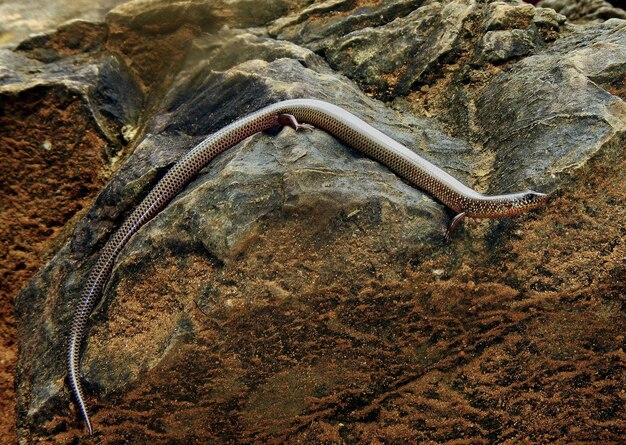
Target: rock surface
[
  {"x": 25, "y": 17},
  {"x": 298, "y": 292},
  {"x": 582, "y": 11}
]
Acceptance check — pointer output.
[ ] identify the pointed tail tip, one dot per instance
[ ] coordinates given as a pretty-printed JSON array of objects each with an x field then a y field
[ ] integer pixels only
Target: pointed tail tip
[{"x": 85, "y": 415}]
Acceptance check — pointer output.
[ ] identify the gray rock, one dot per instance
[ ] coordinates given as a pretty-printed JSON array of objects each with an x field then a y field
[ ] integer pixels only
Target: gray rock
[
  {"x": 547, "y": 115},
  {"x": 597, "y": 52},
  {"x": 581, "y": 11},
  {"x": 500, "y": 46},
  {"x": 228, "y": 48},
  {"x": 316, "y": 29},
  {"x": 24, "y": 17},
  {"x": 421, "y": 46},
  {"x": 15, "y": 68},
  {"x": 377, "y": 57},
  {"x": 514, "y": 15},
  {"x": 310, "y": 164},
  {"x": 72, "y": 59},
  {"x": 166, "y": 16},
  {"x": 548, "y": 18}
]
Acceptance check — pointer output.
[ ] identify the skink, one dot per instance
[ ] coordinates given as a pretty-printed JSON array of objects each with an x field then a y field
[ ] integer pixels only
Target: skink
[{"x": 298, "y": 114}]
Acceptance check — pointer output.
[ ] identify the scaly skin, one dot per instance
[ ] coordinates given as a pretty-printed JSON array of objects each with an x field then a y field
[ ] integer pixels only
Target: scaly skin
[{"x": 298, "y": 114}]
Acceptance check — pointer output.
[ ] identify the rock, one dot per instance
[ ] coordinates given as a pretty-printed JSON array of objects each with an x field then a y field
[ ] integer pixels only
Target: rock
[
  {"x": 247, "y": 190},
  {"x": 499, "y": 46},
  {"x": 227, "y": 49},
  {"x": 436, "y": 38},
  {"x": 72, "y": 38},
  {"x": 73, "y": 58},
  {"x": 581, "y": 11},
  {"x": 428, "y": 34},
  {"x": 64, "y": 102},
  {"x": 173, "y": 25},
  {"x": 317, "y": 29},
  {"x": 548, "y": 18},
  {"x": 509, "y": 16},
  {"x": 577, "y": 125},
  {"x": 298, "y": 292},
  {"x": 166, "y": 16},
  {"x": 15, "y": 68},
  {"x": 24, "y": 17}
]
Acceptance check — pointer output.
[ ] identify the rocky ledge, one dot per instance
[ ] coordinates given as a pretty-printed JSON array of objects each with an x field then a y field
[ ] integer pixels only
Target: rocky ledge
[{"x": 298, "y": 292}]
